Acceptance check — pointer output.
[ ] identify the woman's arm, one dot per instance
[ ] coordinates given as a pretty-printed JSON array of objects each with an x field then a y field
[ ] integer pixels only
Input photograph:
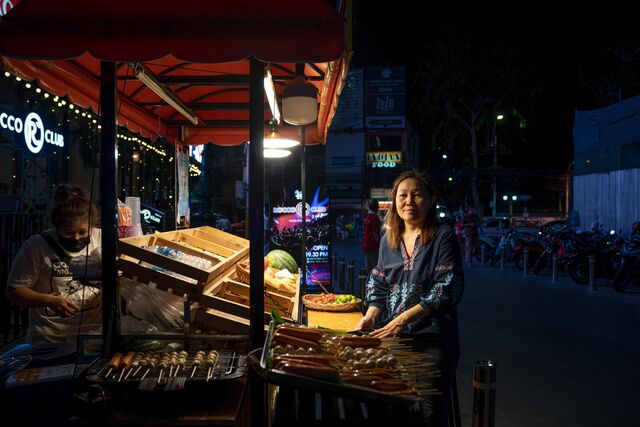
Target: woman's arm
[
  {"x": 447, "y": 286},
  {"x": 27, "y": 297}
]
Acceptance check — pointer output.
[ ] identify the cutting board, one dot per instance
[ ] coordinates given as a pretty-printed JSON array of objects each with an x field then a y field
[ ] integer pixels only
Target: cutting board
[{"x": 339, "y": 321}]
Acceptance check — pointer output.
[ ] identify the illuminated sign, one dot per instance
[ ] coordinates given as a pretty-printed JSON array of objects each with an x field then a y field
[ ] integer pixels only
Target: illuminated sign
[
  {"x": 384, "y": 159},
  {"x": 195, "y": 151},
  {"x": 380, "y": 193},
  {"x": 7, "y": 5},
  {"x": 35, "y": 135}
]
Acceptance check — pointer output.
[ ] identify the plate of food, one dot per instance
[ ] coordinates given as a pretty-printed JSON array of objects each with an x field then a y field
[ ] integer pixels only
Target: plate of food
[{"x": 331, "y": 302}]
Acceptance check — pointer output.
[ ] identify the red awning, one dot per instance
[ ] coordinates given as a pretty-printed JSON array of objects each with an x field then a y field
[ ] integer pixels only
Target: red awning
[{"x": 198, "y": 51}]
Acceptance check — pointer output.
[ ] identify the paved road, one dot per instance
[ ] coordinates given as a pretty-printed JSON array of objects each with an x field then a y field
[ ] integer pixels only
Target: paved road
[{"x": 566, "y": 356}]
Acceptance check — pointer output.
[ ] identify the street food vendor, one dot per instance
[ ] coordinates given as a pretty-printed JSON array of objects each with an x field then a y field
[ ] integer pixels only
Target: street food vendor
[
  {"x": 418, "y": 282},
  {"x": 56, "y": 273}
]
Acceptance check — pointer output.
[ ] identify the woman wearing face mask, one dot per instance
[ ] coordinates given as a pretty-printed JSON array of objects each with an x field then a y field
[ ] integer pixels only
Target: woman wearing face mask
[{"x": 56, "y": 273}]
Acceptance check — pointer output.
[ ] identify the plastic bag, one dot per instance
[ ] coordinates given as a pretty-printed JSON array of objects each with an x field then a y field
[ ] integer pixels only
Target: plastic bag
[{"x": 161, "y": 309}]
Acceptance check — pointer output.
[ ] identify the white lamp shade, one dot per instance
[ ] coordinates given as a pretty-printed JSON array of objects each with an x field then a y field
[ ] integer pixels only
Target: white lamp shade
[
  {"x": 273, "y": 153},
  {"x": 299, "y": 103},
  {"x": 273, "y": 140}
]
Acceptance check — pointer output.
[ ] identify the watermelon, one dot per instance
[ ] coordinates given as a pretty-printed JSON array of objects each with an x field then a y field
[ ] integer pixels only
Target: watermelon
[{"x": 281, "y": 260}]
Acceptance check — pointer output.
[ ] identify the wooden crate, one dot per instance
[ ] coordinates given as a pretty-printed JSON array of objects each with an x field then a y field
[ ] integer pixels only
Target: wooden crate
[
  {"x": 229, "y": 295},
  {"x": 223, "y": 253}
]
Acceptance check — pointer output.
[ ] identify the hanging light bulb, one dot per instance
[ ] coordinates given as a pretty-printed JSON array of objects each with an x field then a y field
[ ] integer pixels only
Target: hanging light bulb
[
  {"x": 276, "y": 153},
  {"x": 274, "y": 140}
]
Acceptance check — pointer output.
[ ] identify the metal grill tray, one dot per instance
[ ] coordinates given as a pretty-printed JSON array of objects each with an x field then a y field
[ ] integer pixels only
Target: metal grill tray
[{"x": 230, "y": 365}]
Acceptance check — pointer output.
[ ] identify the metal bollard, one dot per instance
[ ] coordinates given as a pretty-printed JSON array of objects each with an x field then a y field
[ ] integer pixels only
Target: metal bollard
[
  {"x": 350, "y": 276},
  {"x": 502, "y": 259},
  {"x": 334, "y": 265},
  {"x": 592, "y": 272},
  {"x": 526, "y": 260},
  {"x": 554, "y": 268},
  {"x": 341, "y": 273},
  {"x": 362, "y": 278},
  {"x": 484, "y": 393},
  {"x": 483, "y": 248}
]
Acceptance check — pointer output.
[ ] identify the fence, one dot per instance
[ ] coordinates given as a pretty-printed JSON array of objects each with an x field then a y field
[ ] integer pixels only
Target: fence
[{"x": 15, "y": 228}]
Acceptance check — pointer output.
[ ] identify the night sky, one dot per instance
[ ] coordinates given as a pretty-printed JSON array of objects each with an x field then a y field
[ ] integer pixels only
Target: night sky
[{"x": 566, "y": 56}]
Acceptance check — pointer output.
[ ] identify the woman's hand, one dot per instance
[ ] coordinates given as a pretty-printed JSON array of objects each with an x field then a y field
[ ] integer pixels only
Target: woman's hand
[
  {"x": 365, "y": 323},
  {"x": 391, "y": 329},
  {"x": 62, "y": 306}
]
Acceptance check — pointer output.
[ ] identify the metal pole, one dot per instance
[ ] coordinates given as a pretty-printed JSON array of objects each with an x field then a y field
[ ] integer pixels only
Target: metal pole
[
  {"x": 362, "y": 277},
  {"x": 350, "y": 278},
  {"x": 483, "y": 247},
  {"x": 495, "y": 169},
  {"x": 303, "y": 183},
  {"x": 334, "y": 268},
  {"x": 592, "y": 272},
  {"x": 554, "y": 268},
  {"x": 502, "y": 259},
  {"x": 341, "y": 273},
  {"x": 484, "y": 393},
  {"x": 108, "y": 211},
  {"x": 526, "y": 261},
  {"x": 257, "y": 387}
]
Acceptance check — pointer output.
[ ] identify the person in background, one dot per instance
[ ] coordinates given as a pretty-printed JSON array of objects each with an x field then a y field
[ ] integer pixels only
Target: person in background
[
  {"x": 56, "y": 274},
  {"x": 417, "y": 284},
  {"x": 470, "y": 222},
  {"x": 458, "y": 228},
  {"x": 371, "y": 238}
]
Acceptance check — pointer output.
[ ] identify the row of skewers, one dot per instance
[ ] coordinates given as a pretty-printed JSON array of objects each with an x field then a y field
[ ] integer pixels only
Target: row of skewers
[
  {"x": 388, "y": 365},
  {"x": 131, "y": 363}
]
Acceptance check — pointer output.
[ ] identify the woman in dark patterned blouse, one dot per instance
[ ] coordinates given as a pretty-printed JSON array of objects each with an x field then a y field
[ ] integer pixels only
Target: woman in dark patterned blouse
[{"x": 417, "y": 284}]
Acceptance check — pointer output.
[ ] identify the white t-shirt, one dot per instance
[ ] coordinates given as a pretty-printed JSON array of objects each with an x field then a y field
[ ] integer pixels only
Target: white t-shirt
[{"x": 37, "y": 266}]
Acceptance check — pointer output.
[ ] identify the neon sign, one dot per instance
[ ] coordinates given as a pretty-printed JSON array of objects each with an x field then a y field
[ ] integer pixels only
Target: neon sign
[{"x": 35, "y": 135}]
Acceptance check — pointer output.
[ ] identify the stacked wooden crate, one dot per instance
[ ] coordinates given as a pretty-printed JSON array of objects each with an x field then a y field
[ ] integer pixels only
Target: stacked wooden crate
[{"x": 222, "y": 295}]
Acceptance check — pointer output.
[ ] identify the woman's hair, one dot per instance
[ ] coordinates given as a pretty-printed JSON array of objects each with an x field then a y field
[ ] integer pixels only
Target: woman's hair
[
  {"x": 70, "y": 204},
  {"x": 395, "y": 225}
]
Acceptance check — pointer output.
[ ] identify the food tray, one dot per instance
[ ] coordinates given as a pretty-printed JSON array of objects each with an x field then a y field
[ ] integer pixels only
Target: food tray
[
  {"x": 350, "y": 306},
  {"x": 258, "y": 359},
  {"x": 229, "y": 365}
]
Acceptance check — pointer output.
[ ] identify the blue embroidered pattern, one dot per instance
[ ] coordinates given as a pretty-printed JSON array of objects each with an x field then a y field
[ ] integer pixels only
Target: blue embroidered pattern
[{"x": 435, "y": 296}]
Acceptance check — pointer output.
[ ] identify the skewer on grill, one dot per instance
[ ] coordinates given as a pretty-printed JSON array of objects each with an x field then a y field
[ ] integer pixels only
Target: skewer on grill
[
  {"x": 114, "y": 363},
  {"x": 125, "y": 364},
  {"x": 181, "y": 363},
  {"x": 211, "y": 361},
  {"x": 153, "y": 362},
  {"x": 196, "y": 364},
  {"x": 162, "y": 365},
  {"x": 142, "y": 363}
]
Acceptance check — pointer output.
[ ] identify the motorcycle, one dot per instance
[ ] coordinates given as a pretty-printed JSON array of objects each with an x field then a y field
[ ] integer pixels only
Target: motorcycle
[{"x": 629, "y": 269}]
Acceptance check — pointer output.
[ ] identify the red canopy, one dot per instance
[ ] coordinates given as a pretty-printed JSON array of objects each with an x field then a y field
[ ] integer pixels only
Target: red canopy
[{"x": 197, "y": 50}]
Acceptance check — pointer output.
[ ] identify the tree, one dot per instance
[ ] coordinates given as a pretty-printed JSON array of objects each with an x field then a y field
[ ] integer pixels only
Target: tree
[{"x": 465, "y": 77}]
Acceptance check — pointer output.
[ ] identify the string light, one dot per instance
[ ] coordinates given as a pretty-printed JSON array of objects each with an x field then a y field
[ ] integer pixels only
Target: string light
[
  {"x": 18, "y": 79},
  {"x": 28, "y": 85},
  {"x": 46, "y": 95},
  {"x": 38, "y": 90},
  {"x": 7, "y": 74}
]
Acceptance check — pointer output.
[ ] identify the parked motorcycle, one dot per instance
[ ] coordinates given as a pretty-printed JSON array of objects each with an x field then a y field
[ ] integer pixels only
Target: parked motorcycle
[{"x": 629, "y": 269}]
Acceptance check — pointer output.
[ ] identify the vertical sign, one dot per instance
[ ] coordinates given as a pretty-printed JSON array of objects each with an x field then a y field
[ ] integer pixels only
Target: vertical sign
[
  {"x": 182, "y": 203},
  {"x": 384, "y": 93},
  {"x": 286, "y": 233}
]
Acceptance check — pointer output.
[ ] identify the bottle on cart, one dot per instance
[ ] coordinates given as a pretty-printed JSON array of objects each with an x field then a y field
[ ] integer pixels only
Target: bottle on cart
[{"x": 194, "y": 261}]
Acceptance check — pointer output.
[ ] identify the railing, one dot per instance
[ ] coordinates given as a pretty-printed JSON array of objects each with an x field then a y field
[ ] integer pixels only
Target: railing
[{"x": 15, "y": 228}]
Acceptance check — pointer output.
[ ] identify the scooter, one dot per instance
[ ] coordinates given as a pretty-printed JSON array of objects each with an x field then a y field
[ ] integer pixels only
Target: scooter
[{"x": 629, "y": 269}]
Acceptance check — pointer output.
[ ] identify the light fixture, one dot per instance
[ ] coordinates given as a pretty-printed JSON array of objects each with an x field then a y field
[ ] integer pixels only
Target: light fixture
[
  {"x": 500, "y": 116},
  {"x": 274, "y": 140},
  {"x": 168, "y": 96},
  {"x": 444, "y": 156},
  {"x": 276, "y": 153},
  {"x": 299, "y": 102},
  {"x": 505, "y": 197},
  {"x": 514, "y": 198},
  {"x": 270, "y": 90},
  {"x": 135, "y": 156}
]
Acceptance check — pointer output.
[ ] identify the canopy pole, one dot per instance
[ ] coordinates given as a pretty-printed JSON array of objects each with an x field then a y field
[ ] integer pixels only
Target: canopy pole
[
  {"x": 256, "y": 232},
  {"x": 303, "y": 183},
  {"x": 110, "y": 320}
]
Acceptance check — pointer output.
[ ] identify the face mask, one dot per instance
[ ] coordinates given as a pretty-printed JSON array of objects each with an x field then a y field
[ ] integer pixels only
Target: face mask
[{"x": 73, "y": 245}]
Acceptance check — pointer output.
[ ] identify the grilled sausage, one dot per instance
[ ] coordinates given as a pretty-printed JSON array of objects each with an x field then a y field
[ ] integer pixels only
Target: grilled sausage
[
  {"x": 319, "y": 372},
  {"x": 304, "y": 333},
  {"x": 285, "y": 339}
]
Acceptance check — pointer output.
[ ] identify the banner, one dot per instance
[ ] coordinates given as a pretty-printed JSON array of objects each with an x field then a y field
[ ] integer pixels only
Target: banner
[{"x": 286, "y": 232}]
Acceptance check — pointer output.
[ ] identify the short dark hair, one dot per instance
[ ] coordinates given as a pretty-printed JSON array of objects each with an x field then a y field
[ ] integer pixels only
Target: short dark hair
[
  {"x": 71, "y": 203},
  {"x": 373, "y": 204}
]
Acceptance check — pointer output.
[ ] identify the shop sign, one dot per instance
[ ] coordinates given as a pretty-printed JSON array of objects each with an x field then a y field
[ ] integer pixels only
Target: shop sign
[
  {"x": 384, "y": 159},
  {"x": 7, "y": 5},
  {"x": 385, "y": 89},
  {"x": 380, "y": 193},
  {"x": 35, "y": 135}
]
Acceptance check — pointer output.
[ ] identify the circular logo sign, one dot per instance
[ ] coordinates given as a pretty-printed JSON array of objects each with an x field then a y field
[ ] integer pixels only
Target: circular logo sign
[
  {"x": 34, "y": 133},
  {"x": 299, "y": 209}
]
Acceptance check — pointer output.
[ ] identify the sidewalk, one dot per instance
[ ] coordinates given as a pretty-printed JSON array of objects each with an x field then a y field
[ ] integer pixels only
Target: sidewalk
[{"x": 567, "y": 356}]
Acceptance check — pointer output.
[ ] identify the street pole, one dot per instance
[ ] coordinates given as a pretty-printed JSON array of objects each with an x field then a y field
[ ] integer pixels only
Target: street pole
[{"x": 495, "y": 168}]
